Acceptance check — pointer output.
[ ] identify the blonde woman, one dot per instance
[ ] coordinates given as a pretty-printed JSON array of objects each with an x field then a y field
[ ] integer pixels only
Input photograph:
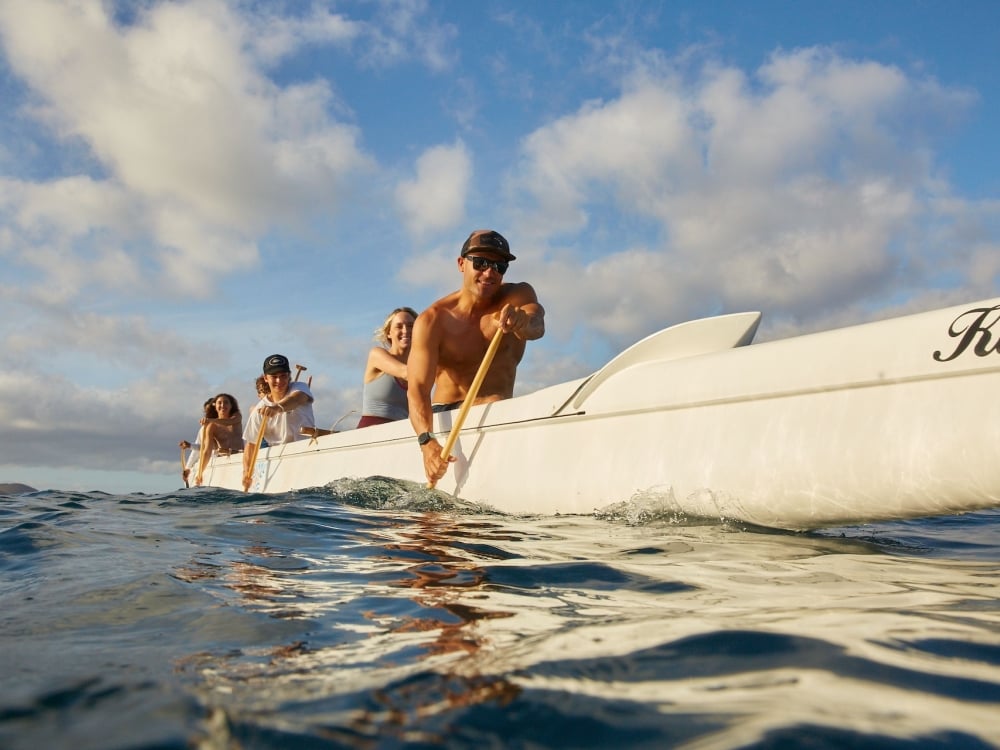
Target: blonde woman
[{"x": 384, "y": 395}]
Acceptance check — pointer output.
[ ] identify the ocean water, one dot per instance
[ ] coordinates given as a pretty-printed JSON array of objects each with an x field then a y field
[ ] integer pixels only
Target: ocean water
[{"x": 375, "y": 614}]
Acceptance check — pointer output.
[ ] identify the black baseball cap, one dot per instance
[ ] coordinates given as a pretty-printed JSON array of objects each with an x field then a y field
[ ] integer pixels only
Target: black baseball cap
[{"x": 276, "y": 363}]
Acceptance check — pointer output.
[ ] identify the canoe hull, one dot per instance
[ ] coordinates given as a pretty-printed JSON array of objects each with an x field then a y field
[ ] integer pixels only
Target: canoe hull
[{"x": 847, "y": 426}]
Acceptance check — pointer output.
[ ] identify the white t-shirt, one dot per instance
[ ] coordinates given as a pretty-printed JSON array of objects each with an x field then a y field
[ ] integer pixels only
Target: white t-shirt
[{"x": 285, "y": 427}]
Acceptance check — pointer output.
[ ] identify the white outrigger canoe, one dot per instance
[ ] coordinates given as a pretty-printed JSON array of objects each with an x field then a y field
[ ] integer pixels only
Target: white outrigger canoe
[{"x": 888, "y": 420}]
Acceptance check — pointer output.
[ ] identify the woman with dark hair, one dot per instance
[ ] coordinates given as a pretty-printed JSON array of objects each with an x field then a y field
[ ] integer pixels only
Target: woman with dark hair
[
  {"x": 384, "y": 395},
  {"x": 223, "y": 434}
]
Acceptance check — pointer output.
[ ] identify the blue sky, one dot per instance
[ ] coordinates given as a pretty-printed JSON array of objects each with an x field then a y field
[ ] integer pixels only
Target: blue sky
[{"x": 187, "y": 187}]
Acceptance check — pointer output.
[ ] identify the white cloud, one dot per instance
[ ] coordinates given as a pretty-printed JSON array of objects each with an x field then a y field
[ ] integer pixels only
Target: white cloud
[
  {"x": 196, "y": 140},
  {"x": 273, "y": 37},
  {"x": 638, "y": 145},
  {"x": 404, "y": 31},
  {"x": 57, "y": 423},
  {"x": 57, "y": 233},
  {"x": 797, "y": 187},
  {"x": 70, "y": 206},
  {"x": 435, "y": 198}
]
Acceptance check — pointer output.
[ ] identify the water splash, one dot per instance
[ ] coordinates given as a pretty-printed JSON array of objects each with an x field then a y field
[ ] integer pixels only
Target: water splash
[
  {"x": 649, "y": 507},
  {"x": 386, "y": 493}
]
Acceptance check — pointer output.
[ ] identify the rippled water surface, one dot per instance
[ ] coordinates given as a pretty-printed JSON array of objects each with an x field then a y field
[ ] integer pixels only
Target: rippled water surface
[{"x": 374, "y": 614}]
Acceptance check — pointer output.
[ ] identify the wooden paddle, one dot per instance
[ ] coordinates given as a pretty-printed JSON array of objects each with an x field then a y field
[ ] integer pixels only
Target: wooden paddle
[
  {"x": 204, "y": 451},
  {"x": 253, "y": 450},
  {"x": 469, "y": 398}
]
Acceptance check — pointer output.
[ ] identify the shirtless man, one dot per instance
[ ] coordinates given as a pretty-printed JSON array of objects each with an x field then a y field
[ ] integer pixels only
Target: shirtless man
[{"x": 450, "y": 339}]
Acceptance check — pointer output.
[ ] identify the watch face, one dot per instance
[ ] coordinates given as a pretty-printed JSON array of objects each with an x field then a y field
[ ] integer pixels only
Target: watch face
[{"x": 424, "y": 438}]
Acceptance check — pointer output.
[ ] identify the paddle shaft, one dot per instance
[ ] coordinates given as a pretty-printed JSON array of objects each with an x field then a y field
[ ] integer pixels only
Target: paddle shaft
[
  {"x": 254, "y": 450},
  {"x": 470, "y": 397},
  {"x": 204, "y": 451},
  {"x": 184, "y": 468}
]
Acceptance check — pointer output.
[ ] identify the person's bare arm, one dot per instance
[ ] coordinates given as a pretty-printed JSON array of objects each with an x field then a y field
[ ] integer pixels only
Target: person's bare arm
[
  {"x": 289, "y": 402},
  {"x": 422, "y": 369},
  {"x": 523, "y": 315},
  {"x": 379, "y": 361}
]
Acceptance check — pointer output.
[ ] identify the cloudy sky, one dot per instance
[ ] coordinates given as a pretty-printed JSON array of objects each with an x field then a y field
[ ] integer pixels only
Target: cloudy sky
[{"x": 189, "y": 186}]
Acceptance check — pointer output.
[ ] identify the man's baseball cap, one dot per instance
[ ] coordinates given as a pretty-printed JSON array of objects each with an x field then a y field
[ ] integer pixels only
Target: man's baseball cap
[
  {"x": 276, "y": 363},
  {"x": 489, "y": 241}
]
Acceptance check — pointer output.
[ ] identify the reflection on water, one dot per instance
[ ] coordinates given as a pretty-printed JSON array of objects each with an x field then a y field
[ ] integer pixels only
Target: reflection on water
[
  {"x": 439, "y": 578},
  {"x": 374, "y": 614},
  {"x": 416, "y": 626}
]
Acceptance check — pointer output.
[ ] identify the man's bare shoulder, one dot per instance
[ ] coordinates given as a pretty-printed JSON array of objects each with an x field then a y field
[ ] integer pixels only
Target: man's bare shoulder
[
  {"x": 518, "y": 285},
  {"x": 437, "y": 308},
  {"x": 517, "y": 290}
]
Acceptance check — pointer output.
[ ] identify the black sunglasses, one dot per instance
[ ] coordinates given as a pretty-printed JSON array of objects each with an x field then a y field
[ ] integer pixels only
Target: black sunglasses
[{"x": 481, "y": 264}]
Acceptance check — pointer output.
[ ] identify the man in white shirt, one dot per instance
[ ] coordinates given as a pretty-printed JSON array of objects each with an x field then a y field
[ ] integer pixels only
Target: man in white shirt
[{"x": 287, "y": 410}]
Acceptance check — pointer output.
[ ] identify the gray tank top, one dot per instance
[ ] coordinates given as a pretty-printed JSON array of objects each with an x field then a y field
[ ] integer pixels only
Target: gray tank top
[{"x": 384, "y": 397}]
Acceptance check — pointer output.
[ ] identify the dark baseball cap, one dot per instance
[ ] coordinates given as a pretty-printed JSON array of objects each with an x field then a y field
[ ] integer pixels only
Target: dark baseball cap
[
  {"x": 488, "y": 241},
  {"x": 276, "y": 363}
]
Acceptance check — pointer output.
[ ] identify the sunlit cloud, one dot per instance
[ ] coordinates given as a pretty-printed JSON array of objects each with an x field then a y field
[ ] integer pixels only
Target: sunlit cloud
[
  {"x": 798, "y": 186},
  {"x": 435, "y": 198},
  {"x": 185, "y": 126}
]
